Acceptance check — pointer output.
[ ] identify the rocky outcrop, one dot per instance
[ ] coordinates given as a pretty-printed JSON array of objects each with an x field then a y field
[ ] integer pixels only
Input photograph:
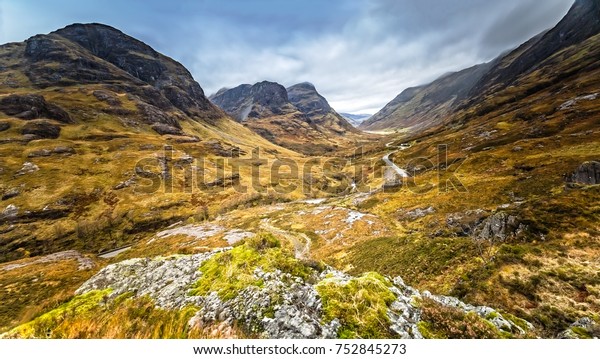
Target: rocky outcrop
[
  {"x": 408, "y": 313},
  {"x": 41, "y": 129},
  {"x": 283, "y": 306},
  {"x": 44, "y": 152},
  {"x": 11, "y": 193},
  {"x": 587, "y": 174},
  {"x": 27, "y": 168},
  {"x": 164, "y": 129},
  {"x": 4, "y": 126},
  {"x": 499, "y": 227},
  {"x": 584, "y": 328},
  {"x": 31, "y": 107}
]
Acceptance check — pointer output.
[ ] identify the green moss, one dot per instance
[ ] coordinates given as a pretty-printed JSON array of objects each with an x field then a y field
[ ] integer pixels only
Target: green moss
[
  {"x": 361, "y": 305},
  {"x": 93, "y": 316},
  {"x": 581, "y": 333},
  {"x": 229, "y": 272},
  {"x": 43, "y": 325},
  {"x": 491, "y": 316},
  {"x": 521, "y": 323}
]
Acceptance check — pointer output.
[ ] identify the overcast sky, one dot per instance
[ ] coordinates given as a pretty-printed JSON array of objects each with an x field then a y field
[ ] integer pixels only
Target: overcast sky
[{"x": 359, "y": 53}]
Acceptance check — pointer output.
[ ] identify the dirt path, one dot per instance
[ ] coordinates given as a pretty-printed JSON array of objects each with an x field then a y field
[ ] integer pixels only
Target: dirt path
[{"x": 300, "y": 241}]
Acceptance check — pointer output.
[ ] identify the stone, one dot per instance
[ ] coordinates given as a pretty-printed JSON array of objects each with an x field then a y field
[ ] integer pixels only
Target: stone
[
  {"x": 4, "y": 126},
  {"x": 499, "y": 227},
  {"x": 30, "y": 107},
  {"x": 41, "y": 129},
  {"x": 28, "y": 167},
  {"x": 11, "y": 193},
  {"x": 164, "y": 129},
  {"x": 107, "y": 97},
  {"x": 418, "y": 213},
  {"x": 11, "y": 211},
  {"x": 585, "y": 323},
  {"x": 588, "y": 173}
]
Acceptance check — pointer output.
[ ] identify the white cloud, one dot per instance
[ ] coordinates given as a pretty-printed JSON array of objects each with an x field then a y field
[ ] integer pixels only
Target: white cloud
[{"x": 371, "y": 59}]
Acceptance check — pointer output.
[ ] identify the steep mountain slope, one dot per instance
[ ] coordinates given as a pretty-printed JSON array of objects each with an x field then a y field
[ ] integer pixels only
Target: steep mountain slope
[
  {"x": 581, "y": 23},
  {"x": 422, "y": 107},
  {"x": 298, "y": 118},
  {"x": 95, "y": 53},
  {"x": 431, "y": 105}
]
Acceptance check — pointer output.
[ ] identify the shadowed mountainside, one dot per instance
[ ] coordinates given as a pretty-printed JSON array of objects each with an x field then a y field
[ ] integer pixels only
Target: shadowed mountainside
[{"x": 500, "y": 81}]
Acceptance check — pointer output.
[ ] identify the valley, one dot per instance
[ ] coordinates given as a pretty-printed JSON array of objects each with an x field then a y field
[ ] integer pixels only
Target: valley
[{"x": 135, "y": 206}]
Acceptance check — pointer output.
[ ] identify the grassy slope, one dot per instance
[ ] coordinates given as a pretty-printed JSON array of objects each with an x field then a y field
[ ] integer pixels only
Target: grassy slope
[{"x": 515, "y": 150}]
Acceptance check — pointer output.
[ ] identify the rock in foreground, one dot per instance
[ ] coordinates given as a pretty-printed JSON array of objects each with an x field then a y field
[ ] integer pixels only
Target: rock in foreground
[{"x": 259, "y": 288}]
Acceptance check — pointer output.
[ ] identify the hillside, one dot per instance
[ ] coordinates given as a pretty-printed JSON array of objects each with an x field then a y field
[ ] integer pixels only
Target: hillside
[
  {"x": 85, "y": 113},
  {"x": 419, "y": 108},
  {"x": 501, "y": 204},
  {"x": 428, "y": 106}
]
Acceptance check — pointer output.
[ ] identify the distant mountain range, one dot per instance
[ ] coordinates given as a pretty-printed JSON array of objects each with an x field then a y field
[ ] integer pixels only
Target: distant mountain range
[{"x": 355, "y": 119}]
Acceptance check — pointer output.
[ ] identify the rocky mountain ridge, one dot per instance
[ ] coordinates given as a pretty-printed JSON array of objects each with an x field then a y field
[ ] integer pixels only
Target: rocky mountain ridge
[{"x": 298, "y": 117}]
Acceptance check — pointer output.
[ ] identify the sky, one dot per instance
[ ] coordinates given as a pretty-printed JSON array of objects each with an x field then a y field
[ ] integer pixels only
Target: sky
[{"x": 359, "y": 54}]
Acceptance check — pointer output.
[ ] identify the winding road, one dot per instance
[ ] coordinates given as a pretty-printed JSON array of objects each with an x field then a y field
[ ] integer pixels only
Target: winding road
[{"x": 391, "y": 164}]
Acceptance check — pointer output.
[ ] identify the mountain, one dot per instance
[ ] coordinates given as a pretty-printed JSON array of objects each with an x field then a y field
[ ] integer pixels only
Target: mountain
[
  {"x": 306, "y": 99},
  {"x": 261, "y": 100},
  {"x": 355, "y": 119},
  {"x": 539, "y": 59},
  {"x": 581, "y": 23},
  {"x": 95, "y": 53},
  {"x": 422, "y": 107},
  {"x": 80, "y": 108},
  {"x": 298, "y": 117}
]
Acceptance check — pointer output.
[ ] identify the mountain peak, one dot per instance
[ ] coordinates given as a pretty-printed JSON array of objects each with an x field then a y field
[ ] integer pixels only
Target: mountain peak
[
  {"x": 100, "y": 54},
  {"x": 260, "y": 100},
  {"x": 306, "y": 98},
  {"x": 304, "y": 85}
]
